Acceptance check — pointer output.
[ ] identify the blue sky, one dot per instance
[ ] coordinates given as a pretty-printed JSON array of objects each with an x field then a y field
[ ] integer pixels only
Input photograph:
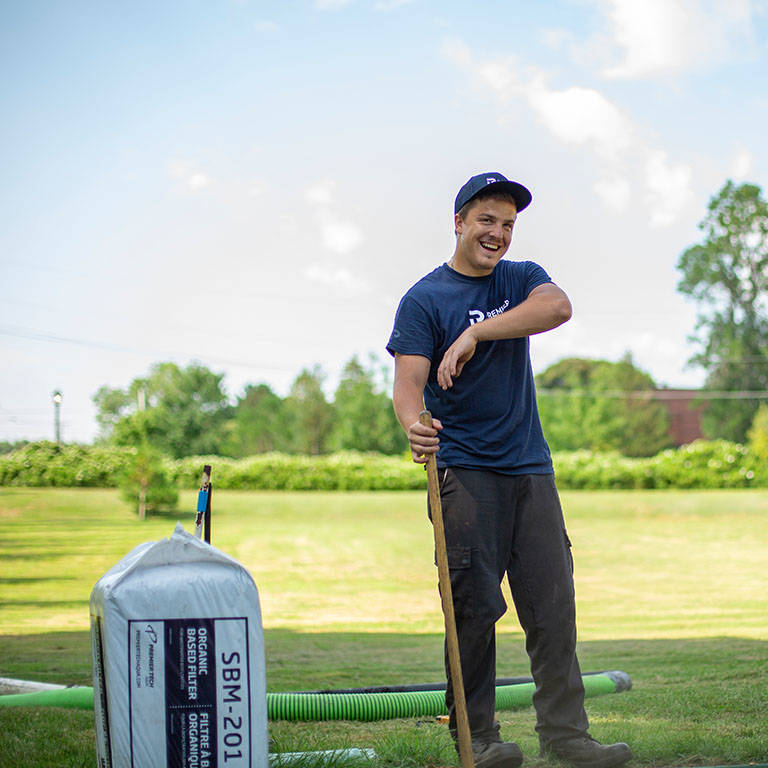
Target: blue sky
[{"x": 254, "y": 185}]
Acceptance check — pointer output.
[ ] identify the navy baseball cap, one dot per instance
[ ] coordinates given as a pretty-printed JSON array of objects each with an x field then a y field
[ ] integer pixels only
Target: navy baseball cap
[{"x": 501, "y": 183}]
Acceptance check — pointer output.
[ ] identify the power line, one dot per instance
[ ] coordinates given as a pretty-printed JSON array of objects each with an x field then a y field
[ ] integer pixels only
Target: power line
[
  {"x": 657, "y": 394},
  {"x": 34, "y": 335}
]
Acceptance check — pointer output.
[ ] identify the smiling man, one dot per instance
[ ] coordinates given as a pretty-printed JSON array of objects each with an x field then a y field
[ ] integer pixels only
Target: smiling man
[{"x": 460, "y": 343}]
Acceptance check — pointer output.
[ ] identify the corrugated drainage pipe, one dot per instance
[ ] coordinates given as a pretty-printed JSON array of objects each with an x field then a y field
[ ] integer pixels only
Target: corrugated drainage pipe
[
  {"x": 74, "y": 697},
  {"x": 346, "y": 706},
  {"x": 384, "y": 706}
]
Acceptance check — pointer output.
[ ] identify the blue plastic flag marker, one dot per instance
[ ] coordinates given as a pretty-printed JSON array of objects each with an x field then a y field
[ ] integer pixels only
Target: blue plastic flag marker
[{"x": 203, "y": 516}]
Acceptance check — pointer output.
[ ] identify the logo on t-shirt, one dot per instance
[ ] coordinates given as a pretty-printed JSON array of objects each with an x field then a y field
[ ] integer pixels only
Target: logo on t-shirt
[{"x": 475, "y": 316}]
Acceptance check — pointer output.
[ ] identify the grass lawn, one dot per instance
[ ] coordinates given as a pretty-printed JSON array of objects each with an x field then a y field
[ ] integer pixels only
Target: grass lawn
[{"x": 672, "y": 588}]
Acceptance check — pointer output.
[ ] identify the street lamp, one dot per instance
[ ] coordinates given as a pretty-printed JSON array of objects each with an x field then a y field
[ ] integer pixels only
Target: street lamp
[{"x": 57, "y": 398}]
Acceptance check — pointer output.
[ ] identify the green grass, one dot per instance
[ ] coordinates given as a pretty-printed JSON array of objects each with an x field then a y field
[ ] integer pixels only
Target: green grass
[{"x": 671, "y": 588}]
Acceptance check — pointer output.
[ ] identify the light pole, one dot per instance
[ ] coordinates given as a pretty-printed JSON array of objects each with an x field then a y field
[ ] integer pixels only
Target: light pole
[{"x": 57, "y": 398}]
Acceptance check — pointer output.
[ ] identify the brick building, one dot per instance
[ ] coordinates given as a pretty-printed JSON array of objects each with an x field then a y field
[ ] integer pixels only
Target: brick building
[{"x": 684, "y": 416}]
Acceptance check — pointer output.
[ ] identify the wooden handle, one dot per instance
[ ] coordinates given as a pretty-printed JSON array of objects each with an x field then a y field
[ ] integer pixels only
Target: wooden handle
[{"x": 444, "y": 579}]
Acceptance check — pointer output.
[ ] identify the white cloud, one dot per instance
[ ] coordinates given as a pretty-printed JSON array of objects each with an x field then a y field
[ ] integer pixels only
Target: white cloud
[
  {"x": 582, "y": 116},
  {"x": 500, "y": 76},
  {"x": 661, "y": 36},
  {"x": 330, "y": 5},
  {"x": 457, "y": 51},
  {"x": 742, "y": 164},
  {"x": 341, "y": 237},
  {"x": 652, "y": 35},
  {"x": 574, "y": 115},
  {"x": 193, "y": 179},
  {"x": 669, "y": 188},
  {"x": 335, "y": 277},
  {"x": 614, "y": 193},
  {"x": 265, "y": 25},
  {"x": 556, "y": 37},
  {"x": 388, "y": 5},
  {"x": 256, "y": 189},
  {"x": 197, "y": 181},
  {"x": 321, "y": 192},
  {"x": 585, "y": 117},
  {"x": 338, "y": 234}
]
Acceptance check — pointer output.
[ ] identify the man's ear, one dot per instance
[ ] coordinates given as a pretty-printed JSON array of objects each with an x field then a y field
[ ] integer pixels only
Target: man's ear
[{"x": 458, "y": 223}]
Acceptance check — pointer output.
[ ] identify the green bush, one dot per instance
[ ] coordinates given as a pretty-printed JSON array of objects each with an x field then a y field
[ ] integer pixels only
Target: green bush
[
  {"x": 346, "y": 471},
  {"x": 702, "y": 464},
  {"x": 576, "y": 470},
  {"x": 47, "y": 464},
  {"x": 146, "y": 484}
]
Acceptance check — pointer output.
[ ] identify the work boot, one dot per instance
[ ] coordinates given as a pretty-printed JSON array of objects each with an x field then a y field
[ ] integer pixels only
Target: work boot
[
  {"x": 496, "y": 754},
  {"x": 586, "y": 752}
]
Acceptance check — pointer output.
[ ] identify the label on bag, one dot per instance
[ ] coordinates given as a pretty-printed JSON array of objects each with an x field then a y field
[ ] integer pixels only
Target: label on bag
[{"x": 189, "y": 692}]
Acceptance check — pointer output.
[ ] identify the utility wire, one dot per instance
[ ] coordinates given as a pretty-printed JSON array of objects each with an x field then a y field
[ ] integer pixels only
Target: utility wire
[
  {"x": 28, "y": 333},
  {"x": 657, "y": 394}
]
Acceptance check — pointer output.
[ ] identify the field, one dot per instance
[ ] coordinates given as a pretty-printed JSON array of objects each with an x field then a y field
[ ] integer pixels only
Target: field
[{"x": 672, "y": 588}]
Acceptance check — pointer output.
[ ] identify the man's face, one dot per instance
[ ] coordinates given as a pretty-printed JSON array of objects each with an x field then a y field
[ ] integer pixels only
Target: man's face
[{"x": 483, "y": 236}]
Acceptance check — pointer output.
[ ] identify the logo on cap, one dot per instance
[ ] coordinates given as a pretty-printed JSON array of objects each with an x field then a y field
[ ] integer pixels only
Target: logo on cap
[{"x": 490, "y": 180}]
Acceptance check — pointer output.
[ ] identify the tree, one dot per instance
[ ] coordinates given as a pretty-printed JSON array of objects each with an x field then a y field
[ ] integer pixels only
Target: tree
[
  {"x": 727, "y": 275},
  {"x": 6, "y": 446},
  {"x": 365, "y": 419},
  {"x": 259, "y": 423},
  {"x": 112, "y": 405},
  {"x": 310, "y": 415},
  {"x": 183, "y": 410},
  {"x": 596, "y": 404},
  {"x": 145, "y": 484}
]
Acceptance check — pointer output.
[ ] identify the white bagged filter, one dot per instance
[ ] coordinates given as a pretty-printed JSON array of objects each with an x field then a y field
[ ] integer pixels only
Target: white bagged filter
[{"x": 178, "y": 660}]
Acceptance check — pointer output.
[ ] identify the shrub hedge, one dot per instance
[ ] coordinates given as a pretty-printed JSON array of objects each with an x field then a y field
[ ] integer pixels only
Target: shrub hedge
[
  {"x": 702, "y": 464},
  {"x": 51, "y": 464},
  {"x": 346, "y": 471}
]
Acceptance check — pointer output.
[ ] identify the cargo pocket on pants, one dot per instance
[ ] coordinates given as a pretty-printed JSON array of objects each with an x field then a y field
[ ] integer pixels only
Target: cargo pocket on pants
[{"x": 462, "y": 580}]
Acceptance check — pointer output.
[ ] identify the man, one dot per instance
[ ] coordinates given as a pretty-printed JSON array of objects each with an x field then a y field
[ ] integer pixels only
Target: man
[{"x": 460, "y": 343}]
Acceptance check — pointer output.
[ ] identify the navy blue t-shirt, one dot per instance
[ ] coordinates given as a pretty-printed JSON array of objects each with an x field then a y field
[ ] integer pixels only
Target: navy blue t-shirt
[{"x": 489, "y": 416}]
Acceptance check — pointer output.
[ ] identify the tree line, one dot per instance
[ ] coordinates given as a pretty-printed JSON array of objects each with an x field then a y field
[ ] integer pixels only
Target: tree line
[{"x": 186, "y": 412}]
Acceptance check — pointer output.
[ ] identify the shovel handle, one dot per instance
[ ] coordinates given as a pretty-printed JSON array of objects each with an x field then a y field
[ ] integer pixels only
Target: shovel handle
[{"x": 444, "y": 579}]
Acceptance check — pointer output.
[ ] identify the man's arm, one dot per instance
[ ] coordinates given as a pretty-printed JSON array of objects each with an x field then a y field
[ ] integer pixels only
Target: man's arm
[
  {"x": 411, "y": 372},
  {"x": 545, "y": 307}
]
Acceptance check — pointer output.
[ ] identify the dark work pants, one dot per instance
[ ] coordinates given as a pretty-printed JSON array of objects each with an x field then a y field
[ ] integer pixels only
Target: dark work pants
[{"x": 499, "y": 524}]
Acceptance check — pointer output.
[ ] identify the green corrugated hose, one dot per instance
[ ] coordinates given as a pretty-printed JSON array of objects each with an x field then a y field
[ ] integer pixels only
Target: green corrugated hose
[
  {"x": 77, "y": 697},
  {"x": 343, "y": 706}
]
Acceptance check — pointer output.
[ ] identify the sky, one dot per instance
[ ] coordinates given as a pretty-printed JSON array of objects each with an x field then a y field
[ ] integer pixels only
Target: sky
[{"x": 254, "y": 185}]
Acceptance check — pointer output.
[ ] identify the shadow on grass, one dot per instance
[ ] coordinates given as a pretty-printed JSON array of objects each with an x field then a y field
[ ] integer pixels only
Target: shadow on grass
[
  {"x": 185, "y": 516},
  {"x": 39, "y": 554},
  {"x": 34, "y": 579},
  {"x": 318, "y": 660}
]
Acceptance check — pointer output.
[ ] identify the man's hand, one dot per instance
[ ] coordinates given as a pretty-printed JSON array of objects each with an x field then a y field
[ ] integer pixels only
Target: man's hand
[
  {"x": 423, "y": 440},
  {"x": 411, "y": 373},
  {"x": 455, "y": 357},
  {"x": 545, "y": 307}
]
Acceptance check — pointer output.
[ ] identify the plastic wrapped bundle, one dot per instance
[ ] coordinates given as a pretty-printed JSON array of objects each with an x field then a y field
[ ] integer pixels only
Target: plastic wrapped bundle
[{"x": 178, "y": 660}]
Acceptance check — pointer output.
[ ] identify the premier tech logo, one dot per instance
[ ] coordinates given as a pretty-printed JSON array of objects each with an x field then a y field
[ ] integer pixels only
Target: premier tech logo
[{"x": 477, "y": 315}]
